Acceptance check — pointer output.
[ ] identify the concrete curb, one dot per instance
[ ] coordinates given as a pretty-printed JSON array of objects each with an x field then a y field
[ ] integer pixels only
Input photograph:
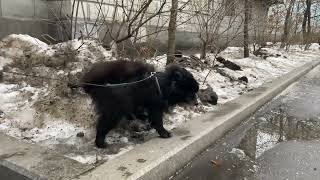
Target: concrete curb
[
  {"x": 23, "y": 161},
  {"x": 161, "y": 158}
]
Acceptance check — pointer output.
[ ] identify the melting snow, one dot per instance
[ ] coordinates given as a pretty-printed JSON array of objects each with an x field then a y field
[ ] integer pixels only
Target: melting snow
[{"x": 16, "y": 101}]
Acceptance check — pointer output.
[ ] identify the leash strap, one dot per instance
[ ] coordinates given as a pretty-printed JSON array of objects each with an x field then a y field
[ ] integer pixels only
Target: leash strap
[
  {"x": 153, "y": 74},
  {"x": 157, "y": 83}
]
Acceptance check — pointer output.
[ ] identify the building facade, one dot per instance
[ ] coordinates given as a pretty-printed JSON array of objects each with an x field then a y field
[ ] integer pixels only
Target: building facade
[{"x": 50, "y": 19}]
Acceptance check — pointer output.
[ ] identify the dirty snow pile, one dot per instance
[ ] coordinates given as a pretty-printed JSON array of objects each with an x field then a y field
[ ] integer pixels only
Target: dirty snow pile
[
  {"x": 257, "y": 69},
  {"x": 46, "y": 111}
]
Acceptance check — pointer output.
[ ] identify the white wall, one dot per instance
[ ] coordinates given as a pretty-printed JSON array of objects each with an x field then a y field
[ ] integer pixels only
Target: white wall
[{"x": 41, "y": 11}]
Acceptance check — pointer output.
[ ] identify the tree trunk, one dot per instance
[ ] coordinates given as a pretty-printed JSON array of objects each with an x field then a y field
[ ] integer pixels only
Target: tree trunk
[
  {"x": 297, "y": 21},
  {"x": 246, "y": 29},
  {"x": 172, "y": 31},
  {"x": 286, "y": 29},
  {"x": 309, "y": 16},
  {"x": 306, "y": 18},
  {"x": 203, "y": 50},
  {"x": 114, "y": 49}
]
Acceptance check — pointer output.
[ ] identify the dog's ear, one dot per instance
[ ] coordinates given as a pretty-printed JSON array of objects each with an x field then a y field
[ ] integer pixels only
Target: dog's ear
[{"x": 175, "y": 72}]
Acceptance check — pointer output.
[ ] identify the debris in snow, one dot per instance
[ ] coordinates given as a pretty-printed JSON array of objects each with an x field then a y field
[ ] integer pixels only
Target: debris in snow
[
  {"x": 178, "y": 54},
  {"x": 208, "y": 96},
  {"x": 243, "y": 78},
  {"x": 216, "y": 163},
  {"x": 1, "y": 75},
  {"x": 191, "y": 62},
  {"x": 239, "y": 153},
  {"x": 229, "y": 64},
  {"x": 255, "y": 168},
  {"x": 195, "y": 58},
  {"x": 231, "y": 75},
  {"x": 261, "y": 52},
  {"x": 80, "y": 134},
  {"x": 1, "y": 114}
]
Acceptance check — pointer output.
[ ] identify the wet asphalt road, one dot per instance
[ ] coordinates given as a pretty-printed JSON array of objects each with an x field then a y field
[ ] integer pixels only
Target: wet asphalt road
[{"x": 280, "y": 141}]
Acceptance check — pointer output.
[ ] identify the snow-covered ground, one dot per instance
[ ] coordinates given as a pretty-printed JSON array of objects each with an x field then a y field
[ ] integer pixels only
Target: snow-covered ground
[{"x": 49, "y": 113}]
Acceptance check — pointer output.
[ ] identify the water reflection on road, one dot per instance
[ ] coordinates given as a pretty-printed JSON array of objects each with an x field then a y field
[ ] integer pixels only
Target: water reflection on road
[{"x": 280, "y": 141}]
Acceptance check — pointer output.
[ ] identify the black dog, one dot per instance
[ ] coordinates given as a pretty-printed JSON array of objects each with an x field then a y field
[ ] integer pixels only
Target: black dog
[{"x": 154, "y": 93}]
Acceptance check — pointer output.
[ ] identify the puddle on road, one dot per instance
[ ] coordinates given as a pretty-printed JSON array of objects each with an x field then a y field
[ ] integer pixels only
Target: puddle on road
[
  {"x": 291, "y": 117},
  {"x": 276, "y": 126},
  {"x": 239, "y": 153}
]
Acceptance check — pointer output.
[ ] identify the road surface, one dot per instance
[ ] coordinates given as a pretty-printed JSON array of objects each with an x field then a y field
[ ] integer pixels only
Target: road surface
[{"x": 280, "y": 141}]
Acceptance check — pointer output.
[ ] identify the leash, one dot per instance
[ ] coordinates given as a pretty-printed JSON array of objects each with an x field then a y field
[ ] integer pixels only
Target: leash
[
  {"x": 158, "y": 85},
  {"x": 121, "y": 84},
  {"x": 153, "y": 74}
]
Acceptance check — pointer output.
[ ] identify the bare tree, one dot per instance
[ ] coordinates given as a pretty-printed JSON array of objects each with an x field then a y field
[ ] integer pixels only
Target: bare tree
[
  {"x": 297, "y": 17},
  {"x": 274, "y": 21},
  {"x": 246, "y": 29},
  {"x": 307, "y": 21},
  {"x": 287, "y": 22},
  {"x": 214, "y": 20},
  {"x": 172, "y": 31},
  {"x": 120, "y": 21}
]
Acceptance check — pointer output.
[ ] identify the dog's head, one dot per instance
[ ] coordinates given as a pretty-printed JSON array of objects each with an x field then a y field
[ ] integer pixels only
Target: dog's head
[{"x": 183, "y": 86}]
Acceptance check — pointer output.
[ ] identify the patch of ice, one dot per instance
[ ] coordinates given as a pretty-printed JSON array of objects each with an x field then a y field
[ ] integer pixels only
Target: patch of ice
[
  {"x": 265, "y": 141},
  {"x": 239, "y": 153},
  {"x": 94, "y": 158},
  {"x": 84, "y": 159}
]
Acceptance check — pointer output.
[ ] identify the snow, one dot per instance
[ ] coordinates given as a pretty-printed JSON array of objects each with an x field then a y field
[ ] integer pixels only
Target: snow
[
  {"x": 92, "y": 159},
  {"x": 314, "y": 46},
  {"x": 239, "y": 153},
  {"x": 49, "y": 114},
  {"x": 23, "y": 41},
  {"x": 159, "y": 62},
  {"x": 265, "y": 141},
  {"x": 3, "y": 62},
  {"x": 84, "y": 158}
]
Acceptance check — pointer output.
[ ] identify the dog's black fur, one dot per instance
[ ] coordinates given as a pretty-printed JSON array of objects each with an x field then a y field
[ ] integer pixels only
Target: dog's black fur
[{"x": 177, "y": 85}]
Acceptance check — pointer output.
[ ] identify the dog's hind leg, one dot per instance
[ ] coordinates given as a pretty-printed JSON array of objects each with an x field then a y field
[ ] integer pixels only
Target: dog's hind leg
[{"x": 106, "y": 122}]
